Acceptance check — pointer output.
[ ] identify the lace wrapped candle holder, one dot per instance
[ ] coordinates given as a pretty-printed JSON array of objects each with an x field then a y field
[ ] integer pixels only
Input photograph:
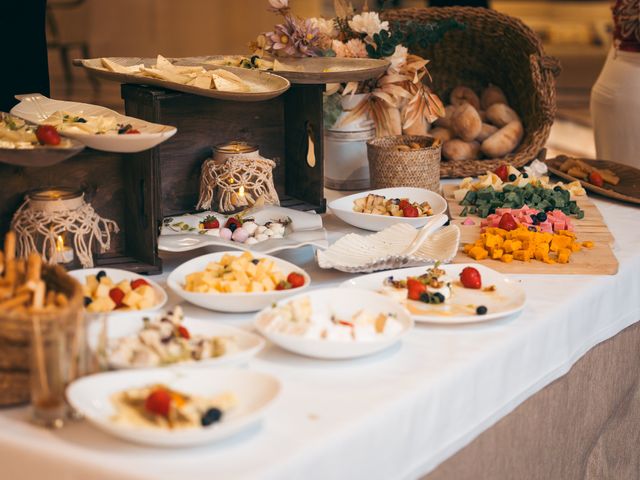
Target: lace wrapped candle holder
[
  {"x": 237, "y": 177},
  {"x": 61, "y": 226}
]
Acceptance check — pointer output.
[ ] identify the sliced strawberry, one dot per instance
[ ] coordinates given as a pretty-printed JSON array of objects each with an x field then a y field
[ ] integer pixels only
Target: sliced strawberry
[
  {"x": 507, "y": 222},
  {"x": 138, "y": 282},
  {"x": 158, "y": 402},
  {"x": 48, "y": 135},
  {"x": 470, "y": 278},
  {"x": 117, "y": 296},
  {"x": 596, "y": 179},
  {"x": 404, "y": 203},
  {"x": 415, "y": 289},
  {"x": 503, "y": 172},
  {"x": 183, "y": 332},
  {"x": 295, "y": 279}
]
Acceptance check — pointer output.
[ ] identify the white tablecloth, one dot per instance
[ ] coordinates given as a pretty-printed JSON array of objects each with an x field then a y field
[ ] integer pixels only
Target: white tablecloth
[{"x": 394, "y": 415}]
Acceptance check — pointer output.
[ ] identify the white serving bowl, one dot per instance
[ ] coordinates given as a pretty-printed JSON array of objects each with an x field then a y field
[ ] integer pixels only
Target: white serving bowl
[
  {"x": 343, "y": 208},
  {"x": 231, "y": 302},
  {"x": 117, "y": 276},
  {"x": 249, "y": 344},
  {"x": 344, "y": 302},
  {"x": 255, "y": 391}
]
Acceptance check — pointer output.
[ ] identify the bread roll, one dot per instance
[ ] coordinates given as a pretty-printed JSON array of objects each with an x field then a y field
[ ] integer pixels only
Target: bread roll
[
  {"x": 445, "y": 122},
  {"x": 442, "y": 134},
  {"x": 491, "y": 95},
  {"x": 458, "y": 150},
  {"x": 504, "y": 141},
  {"x": 500, "y": 114},
  {"x": 486, "y": 131},
  {"x": 466, "y": 122},
  {"x": 461, "y": 95}
]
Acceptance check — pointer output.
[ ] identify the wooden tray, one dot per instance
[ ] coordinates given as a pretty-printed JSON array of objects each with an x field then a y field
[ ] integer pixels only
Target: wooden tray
[
  {"x": 314, "y": 69},
  {"x": 628, "y": 190},
  {"x": 599, "y": 260},
  {"x": 265, "y": 85}
]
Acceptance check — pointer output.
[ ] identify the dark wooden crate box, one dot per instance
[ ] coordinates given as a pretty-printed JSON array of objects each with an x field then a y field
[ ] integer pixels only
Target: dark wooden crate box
[
  {"x": 281, "y": 127},
  {"x": 119, "y": 188}
]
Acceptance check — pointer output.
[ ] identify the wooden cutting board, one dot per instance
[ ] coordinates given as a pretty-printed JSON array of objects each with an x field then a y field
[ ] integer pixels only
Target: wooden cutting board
[{"x": 599, "y": 260}]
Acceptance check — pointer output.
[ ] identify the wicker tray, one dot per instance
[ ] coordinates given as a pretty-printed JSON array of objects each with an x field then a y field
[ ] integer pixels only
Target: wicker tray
[{"x": 492, "y": 48}]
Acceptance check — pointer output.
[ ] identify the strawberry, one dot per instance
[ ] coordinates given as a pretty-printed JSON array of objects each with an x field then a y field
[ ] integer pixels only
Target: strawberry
[
  {"x": 295, "y": 279},
  {"x": 183, "y": 332},
  {"x": 210, "y": 222},
  {"x": 158, "y": 402},
  {"x": 507, "y": 222},
  {"x": 233, "y": 223},
  {"x": 470, "y": 278},
  {"x": 410, "y": 211},
  {"x": 596, "y": 179},
  {"x": 117, "y": 296},
  {"x": 503, "y": 172},
  {"x": 138, "y": 282},
  {"x": 415, "y": 289},
  {"x": 47, "y": 135}
]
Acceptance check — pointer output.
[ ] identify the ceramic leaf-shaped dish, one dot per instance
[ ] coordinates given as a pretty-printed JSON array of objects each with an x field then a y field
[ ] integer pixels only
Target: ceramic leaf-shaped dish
[{"x": 384, "y": 250}]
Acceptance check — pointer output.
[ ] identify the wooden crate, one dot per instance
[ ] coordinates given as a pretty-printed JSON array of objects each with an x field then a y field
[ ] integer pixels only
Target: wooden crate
[
  {"x": 281, "y": 127},
  {"x": 138, "y": 190},
  {"x": 119, "y": 187}
]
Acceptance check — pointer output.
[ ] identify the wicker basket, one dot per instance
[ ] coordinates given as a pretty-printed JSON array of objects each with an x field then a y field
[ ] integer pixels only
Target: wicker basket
[
  {"x": 492, "y": 48},
  {"x": 15, "y": 331},
  {"x": 389, "y": 167}
]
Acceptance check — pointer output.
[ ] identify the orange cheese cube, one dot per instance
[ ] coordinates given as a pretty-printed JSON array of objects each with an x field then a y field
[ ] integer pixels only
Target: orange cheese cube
[{"x": 478, "y": 253}]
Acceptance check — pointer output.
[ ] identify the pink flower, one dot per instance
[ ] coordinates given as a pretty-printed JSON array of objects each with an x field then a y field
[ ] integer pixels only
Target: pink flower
[{"x": 293, "y": 38}]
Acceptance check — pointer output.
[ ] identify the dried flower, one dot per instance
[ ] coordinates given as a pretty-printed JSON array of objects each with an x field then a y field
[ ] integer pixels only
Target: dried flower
[
  {"x": 368, "y": 23},
  {"x": 398, "y": 59},
  {"x": 293, "y": 38},
  {"x": 357, "y": 48},
  {"x": 324, "y": 26},
  {"x": 279, "y": 4}
]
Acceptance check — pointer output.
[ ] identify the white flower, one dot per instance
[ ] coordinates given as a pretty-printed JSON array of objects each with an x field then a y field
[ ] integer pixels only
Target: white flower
[
  {"x": 324, "y": 26},
  {"x": 279, "y": 4},
  {"x": 398, "y": 59},
  {"x": 339, "y": 48},
  {"x": 369, "y": 23},
  {"x": 357, "y": 48}
]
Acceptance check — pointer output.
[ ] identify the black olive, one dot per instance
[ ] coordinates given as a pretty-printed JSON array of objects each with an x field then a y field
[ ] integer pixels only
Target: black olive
[
  {"x": 101, "y": 274},
  {"x": 232, "y": 227},
  {"x": 424, "y": 297},
  {"x": 548, "y": 208},
  {"x": 481, "y": 310},
  {"x": 525, "y": 175},
  {"x": 211, "y": 416},
  {"x": 541, "y": 216},
  {"x": 512, "y": 177},
  {"x": 534, "y": 218},
  {"x": 255, "y": 261},
  {"x": 532, "y": 228},
  {"x": 557, "y": 188},
  {"x": 439, "y": 296},
  {"x": 87, "y": 301}
]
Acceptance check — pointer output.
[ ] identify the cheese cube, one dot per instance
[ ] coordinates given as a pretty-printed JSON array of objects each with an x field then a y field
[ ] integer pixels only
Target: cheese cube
[{"x": 132, "y": 299}]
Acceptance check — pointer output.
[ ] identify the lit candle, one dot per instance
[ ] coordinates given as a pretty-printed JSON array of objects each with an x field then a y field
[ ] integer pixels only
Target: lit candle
[{"x": 63, "y": 253}]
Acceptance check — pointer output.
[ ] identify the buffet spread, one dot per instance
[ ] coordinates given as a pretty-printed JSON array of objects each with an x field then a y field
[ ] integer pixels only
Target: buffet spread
[{"x": 149, "y": 361}]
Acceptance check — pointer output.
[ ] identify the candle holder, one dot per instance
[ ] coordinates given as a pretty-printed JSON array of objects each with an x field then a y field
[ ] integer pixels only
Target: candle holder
[
  {"x": 60, "y": 225},
  {"x": 235, "y": 178}
]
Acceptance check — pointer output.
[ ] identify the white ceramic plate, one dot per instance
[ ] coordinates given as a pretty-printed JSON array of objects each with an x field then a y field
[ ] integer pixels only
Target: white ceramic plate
[
  {"x": 249, "y": 344},
  {"x": 117, "y": 276},
  {"x": 344, "y": 303},
  {"x": 343, "y": 208},
  {"x": 36, "y": 108},
  {"x": 507, "y": 299},
  {"x": 231, "y": 302},
  {"x": 255, "y": 392}
]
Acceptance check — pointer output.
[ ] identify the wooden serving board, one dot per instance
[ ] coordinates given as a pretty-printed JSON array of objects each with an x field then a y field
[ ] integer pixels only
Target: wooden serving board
[
  {"x": 599, "y": 260},
  {"x": 628, "y": 190}
]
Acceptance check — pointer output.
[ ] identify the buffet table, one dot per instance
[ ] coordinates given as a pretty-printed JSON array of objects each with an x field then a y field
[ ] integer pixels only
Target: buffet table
[{"x": 398, "y": 414}]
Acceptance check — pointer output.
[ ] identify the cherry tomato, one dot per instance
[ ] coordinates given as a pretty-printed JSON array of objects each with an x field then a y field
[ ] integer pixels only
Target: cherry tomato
[
  {"x": 295, "y": 279},
  {"x": 138, "y": 282},
  {"x": 158, "y": 402},
  {"x": 131, "y": 130},
  {"x": 183, "y": 332},
  {"x": 47, "y": 135},
  {"x": 117, "y": 296},
  {"x": 415, "y": 289},
  {"x": 503, "y": 172},
  {"x": 507, "y": 222},
  {"x": 596, "y": 179},
  {"x": 410, "y": 211}
]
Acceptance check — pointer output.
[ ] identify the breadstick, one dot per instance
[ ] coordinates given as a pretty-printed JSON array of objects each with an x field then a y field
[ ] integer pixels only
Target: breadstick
[
  {"x": 61, "y": 300},
  {"x": 15, "y": 301},
  {"x": 1, "y": 262},
  {"x": 50, "y": 300},
  {"x": 10, "y": 245},
  {"x": 34, "y": 267},
  {"x": 38, "y": 295},
  {"x": 10, "y": 273},
  {"x": 21, "y": 271}
]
